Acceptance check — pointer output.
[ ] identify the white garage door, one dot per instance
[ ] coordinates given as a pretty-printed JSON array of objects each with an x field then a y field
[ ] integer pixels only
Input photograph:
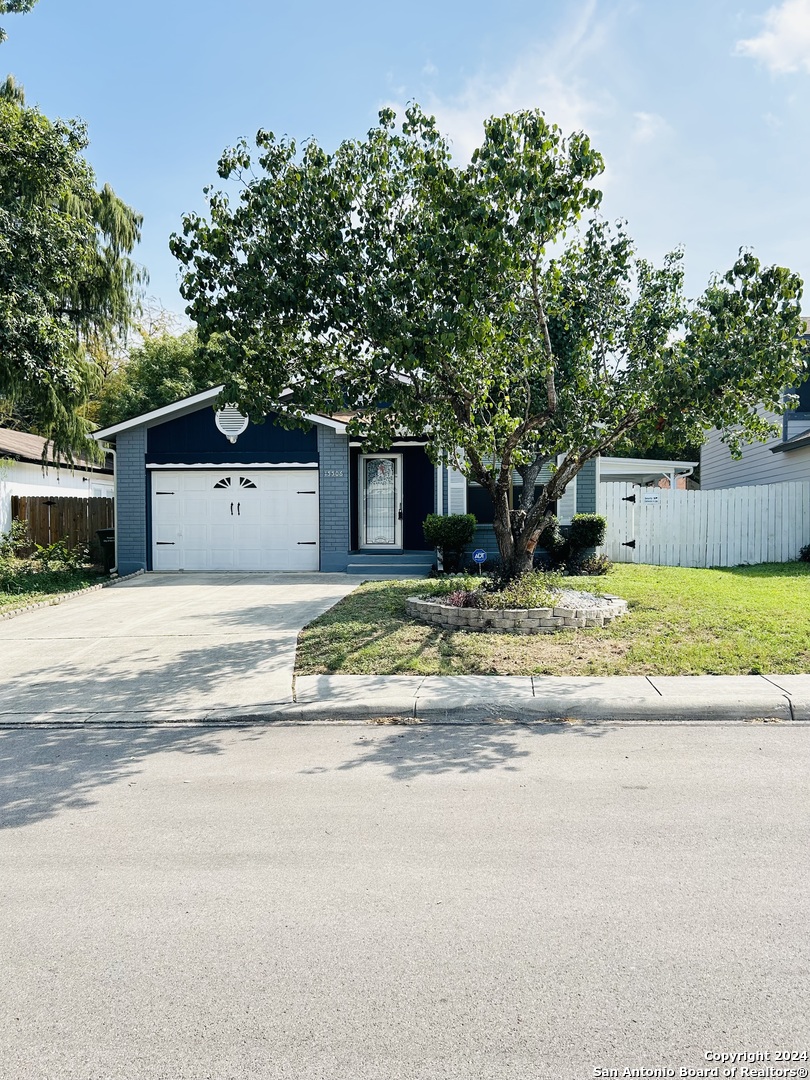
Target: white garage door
[{"x": 235, "y": 519}]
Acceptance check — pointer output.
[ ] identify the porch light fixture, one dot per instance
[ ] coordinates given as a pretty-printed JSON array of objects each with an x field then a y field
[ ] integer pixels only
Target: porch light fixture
[{"x": 230, "y": 422}]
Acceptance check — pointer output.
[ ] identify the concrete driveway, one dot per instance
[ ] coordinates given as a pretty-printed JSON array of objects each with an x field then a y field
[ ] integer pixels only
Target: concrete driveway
[{"x": 180, "y": 646}]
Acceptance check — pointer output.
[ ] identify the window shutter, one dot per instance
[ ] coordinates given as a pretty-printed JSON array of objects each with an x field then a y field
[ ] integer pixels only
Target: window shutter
[
  {"x": 567, "y": 503},
  {"x": 456, "y": 492}
]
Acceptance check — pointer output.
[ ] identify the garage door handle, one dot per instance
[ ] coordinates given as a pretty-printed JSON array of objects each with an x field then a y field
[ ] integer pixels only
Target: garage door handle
[
  {"x": 165, "y": 543},
  {"x": 306, "y": 493},
  {"x": 238, "y": 509},
  {"x": 307, "y": 543}
]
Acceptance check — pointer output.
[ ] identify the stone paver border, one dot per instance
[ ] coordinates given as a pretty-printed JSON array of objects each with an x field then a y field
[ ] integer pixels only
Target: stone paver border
[
  {"x": 59, "y": 598},
  {"x": 515, "y": 620}
]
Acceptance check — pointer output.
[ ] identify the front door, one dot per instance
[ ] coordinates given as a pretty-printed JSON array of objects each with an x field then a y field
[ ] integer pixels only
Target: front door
[{"x": 380, "y": 501}]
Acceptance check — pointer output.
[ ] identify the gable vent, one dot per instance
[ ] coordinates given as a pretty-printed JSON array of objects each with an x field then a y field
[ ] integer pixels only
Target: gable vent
[{"x": 231, "y": 422}]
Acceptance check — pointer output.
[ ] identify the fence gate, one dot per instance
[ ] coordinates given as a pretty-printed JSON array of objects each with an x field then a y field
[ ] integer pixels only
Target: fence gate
[
  {"x": 724, "y": 527},
  {"x": 73, "y": 520}
]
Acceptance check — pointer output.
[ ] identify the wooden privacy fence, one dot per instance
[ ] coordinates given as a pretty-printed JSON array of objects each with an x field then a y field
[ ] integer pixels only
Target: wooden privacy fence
[
  {"x": 73, "y": 520},
  {"x": 724, "y": 527}
]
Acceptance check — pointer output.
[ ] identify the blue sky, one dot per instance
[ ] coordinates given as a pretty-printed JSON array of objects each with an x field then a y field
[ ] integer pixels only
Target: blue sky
[{"x": 701, "y": 109}]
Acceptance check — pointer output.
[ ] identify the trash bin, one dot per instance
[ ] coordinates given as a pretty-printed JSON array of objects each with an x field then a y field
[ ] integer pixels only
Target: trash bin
[{"x": 106, "y": 540}]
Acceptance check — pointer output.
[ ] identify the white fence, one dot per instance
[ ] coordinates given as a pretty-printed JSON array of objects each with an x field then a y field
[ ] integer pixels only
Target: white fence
[{"x": 725, "y": 527}]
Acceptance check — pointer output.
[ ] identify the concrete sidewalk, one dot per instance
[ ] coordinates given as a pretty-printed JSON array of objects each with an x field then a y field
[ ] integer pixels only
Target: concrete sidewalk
[
  {"x": 221, "y": 648},
  {"x": 470, "y": 698}
]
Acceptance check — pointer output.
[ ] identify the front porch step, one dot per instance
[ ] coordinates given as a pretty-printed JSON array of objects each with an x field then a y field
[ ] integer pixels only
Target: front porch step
[{"x": 404, "y": 565}]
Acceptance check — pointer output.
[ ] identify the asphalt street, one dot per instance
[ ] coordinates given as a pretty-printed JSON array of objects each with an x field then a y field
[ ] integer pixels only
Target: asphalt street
[{"x": 346, "y": 901}]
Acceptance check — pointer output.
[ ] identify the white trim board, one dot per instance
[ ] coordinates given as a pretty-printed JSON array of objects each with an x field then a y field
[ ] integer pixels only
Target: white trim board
[{"x": 207, "y": 465}]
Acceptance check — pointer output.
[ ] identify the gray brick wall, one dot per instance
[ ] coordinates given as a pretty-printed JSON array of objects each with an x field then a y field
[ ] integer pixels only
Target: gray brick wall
[
  {"x": 131, "y": 495},
  {"x": 333, "y": 452},
  {"x": 586, "y": 488}
]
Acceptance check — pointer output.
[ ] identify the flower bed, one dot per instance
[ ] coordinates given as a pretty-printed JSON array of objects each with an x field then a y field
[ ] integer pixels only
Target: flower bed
[{"x": 585, "y": 611}]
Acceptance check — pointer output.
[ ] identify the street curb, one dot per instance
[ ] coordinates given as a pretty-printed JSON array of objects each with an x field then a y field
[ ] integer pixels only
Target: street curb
[{"x": 315, "y": 715}]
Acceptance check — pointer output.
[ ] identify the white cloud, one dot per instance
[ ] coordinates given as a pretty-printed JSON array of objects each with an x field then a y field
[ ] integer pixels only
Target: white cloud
[
  {"x": 784, "y": 44},
  {"x": 648, "y": 126},
  {"x": 546, "y": 77}
]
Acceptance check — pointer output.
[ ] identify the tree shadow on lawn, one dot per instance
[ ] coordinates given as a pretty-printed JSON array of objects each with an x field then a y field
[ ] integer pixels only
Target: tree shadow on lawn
[
  {"x": 462, "y": 749},
  {"x": 44, "y": 771},
  {"x": 317, "y": 640}
]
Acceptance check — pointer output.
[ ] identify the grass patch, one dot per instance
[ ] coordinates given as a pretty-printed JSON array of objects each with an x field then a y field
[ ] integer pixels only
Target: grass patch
[
  {"x": 33, "y": 588},
  {"x": 739, "y": 621}
]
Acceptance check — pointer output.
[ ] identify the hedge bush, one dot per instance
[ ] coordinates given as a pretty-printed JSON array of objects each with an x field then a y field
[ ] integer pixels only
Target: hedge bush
[{"x": 450, "y": 534}]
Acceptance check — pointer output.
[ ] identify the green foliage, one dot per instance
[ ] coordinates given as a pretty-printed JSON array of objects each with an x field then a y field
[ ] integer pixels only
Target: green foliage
[
  {"x": 568, "y": 552},
  {"x": 450, "y": 534},
  {"x": 424, "y": 293},
  {"x": 804, "y": 554},
  {"x": 15, "y": 540},
  {"x": 533, "y": 590},
  {"x": 66, "y": 278},
  {"x": 14, "y": 7},
  {"x": 595, "y": 565},
  {"x": 586, "y": 531},
  {"x": 50, "y": 568},
  {"x": 160, "y": 371}
]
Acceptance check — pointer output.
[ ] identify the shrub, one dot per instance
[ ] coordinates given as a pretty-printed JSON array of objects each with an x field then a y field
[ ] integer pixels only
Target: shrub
[
  {"x": 533, "y": 590},
  {"x": 804, "y": 554},
  {"x": 58, "y": 556},
  {"x": 451, "y": 583},
  {"x": 15, "y": 540},
  {"x": 587, "y": 531},
  {"x": 450, "y": 534},
  {"x": 595, "y": 565},
  {"x": 467, "y": 598}
]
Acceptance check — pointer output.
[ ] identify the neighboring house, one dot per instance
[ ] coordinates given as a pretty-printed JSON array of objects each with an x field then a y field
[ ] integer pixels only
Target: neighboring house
[
  {"x": 23, "y": 472},
  {"x": 786, "y": 457},
  {"x": 199, "y": 490}
]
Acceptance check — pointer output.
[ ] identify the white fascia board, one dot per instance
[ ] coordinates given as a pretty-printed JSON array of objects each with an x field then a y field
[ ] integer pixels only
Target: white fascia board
[
  {"x": 326, "y": 421},
  {"x": 149, "y": 419}
]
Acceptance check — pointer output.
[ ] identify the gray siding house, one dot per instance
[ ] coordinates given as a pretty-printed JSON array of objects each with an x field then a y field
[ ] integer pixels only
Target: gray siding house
[
  {"x": 786, "y": 457},
  {"x": 199, "y": 490}
]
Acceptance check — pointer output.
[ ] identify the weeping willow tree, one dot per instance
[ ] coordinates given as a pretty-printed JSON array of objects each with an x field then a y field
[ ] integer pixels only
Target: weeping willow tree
[{"x": 68, "y": 286}]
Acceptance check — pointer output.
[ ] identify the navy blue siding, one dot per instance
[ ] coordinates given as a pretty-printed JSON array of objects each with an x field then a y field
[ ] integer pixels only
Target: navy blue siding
[{"x": 195, "y": 438}]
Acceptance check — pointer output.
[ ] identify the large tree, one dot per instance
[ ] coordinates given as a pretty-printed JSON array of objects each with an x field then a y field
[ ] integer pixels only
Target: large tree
[
  {"x": 162, "y": 369},
  {"x": 464, "y": 304},
  {"x": 67, "y": 282}
]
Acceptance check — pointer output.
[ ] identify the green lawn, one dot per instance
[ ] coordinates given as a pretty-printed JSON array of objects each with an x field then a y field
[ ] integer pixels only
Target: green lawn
[
  {"x": 740, "y": 621},
  {"x": 35, "y": 588}
]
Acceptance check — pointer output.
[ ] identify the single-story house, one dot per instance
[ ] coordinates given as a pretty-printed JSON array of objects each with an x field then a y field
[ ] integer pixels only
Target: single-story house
[
  {"x": 205, "y": 490},
  {"x": 24, "y": 471}
]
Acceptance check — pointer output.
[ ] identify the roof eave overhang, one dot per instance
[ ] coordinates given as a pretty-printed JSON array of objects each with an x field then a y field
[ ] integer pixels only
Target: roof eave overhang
[{"x": 794, "y": 444}]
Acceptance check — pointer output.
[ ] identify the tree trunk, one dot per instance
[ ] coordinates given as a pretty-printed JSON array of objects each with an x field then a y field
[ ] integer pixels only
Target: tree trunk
[{"x": 516, "y": 544}]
